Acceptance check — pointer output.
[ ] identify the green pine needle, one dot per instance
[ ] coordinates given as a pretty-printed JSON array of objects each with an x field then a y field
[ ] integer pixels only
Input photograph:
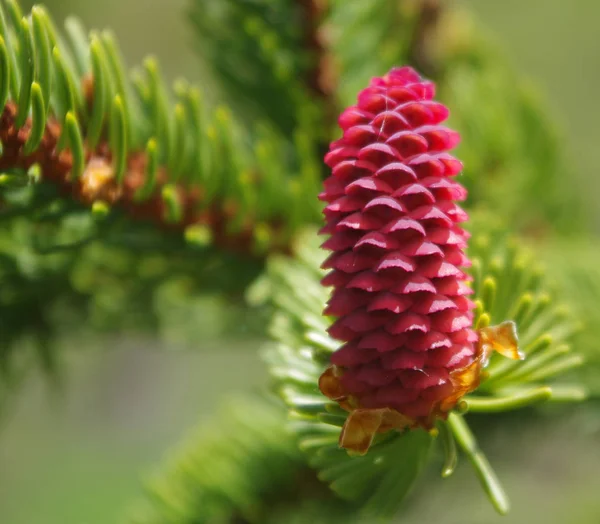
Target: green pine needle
[
  {"x": 449, "y": 445},
  {"x": 38, "y": 118},
  {"x": 101, "y": 93},
  {"x": 65, "y": 98},
  {"x": 75, "y": 143},
  {"x": 489, "y": 481},
  {"x": 43, "y": 66},
  {"x": 4, "y": 72},
  {"x": 118, "y": 135},
  {"x": 26, "y": 70},
  {"x": 514, "y": 401},
  {"x": 11, "y": 57}
]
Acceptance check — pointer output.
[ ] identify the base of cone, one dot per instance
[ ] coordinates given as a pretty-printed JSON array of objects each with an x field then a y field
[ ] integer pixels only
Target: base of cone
[{"x": 362, "y": 424}]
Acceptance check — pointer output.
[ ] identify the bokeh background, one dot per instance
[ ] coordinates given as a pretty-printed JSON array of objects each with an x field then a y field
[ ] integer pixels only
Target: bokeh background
[{"x": 77, "y": 455}]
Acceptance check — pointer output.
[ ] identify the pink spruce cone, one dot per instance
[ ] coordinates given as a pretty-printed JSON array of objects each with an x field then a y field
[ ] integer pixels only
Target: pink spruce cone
[{"x": 400, "y": 293}]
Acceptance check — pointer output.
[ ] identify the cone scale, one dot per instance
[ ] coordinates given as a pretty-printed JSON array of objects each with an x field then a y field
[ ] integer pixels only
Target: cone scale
[{"x": 400, "y": 291}]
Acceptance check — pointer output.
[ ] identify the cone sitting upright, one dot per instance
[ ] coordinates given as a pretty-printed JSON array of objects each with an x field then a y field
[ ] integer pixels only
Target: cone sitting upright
[{"x": 400, "y": 291}]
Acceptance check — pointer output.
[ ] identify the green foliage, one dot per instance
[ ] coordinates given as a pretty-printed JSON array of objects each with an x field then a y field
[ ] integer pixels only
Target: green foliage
[
  {"x": 258, "y": 61},
  {"x": 58, "y": 277},
  {"x": 94, "y": 259},
  {"x": 236, "y": 469},
  {"x": 254, "y": 50},
  {"x": 33, "y": 295},
  {"x": 510, "y": 285},
  {"x": 369, "y": 38},
  {"x": 573, "y": 265},
  {"x": 514, "y": 157},
  {"x": 507, "y": 286},
  {"x": 94, "y": 103}
]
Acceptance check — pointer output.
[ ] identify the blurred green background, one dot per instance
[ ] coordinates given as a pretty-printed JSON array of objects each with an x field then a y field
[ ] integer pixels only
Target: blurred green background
[{"x": 77, "y": 456}]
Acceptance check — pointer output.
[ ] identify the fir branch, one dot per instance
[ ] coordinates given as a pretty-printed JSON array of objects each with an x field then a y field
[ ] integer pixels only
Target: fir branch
[
  {"x": 254, "y": 52},
  {"x": 90, "y": 177},
  {"x": 509, "y": 285},
  {"x": 100, "y": 138},
  {"x": 577, "y": 278},
  {"x": 280, "y": 74},
  {"x": 242, "y": 467},
  {"x": 90, "y": 158}
]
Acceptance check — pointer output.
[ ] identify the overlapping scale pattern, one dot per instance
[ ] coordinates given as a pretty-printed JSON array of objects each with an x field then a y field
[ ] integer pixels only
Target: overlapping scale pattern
[{"x": 400, "y": 292}]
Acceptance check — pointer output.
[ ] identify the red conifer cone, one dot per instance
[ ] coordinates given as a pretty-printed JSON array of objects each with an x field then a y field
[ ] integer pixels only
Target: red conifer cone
[{"x": 400, "y": 293}]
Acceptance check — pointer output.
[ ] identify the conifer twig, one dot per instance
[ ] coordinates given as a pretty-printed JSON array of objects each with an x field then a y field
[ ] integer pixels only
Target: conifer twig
[{"x": 87, "y": 175}]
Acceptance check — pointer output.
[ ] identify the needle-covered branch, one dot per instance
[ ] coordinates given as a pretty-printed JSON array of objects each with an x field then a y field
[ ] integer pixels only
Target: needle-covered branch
[
  {"x": 159, "y": 155},
  {"x": 243, "y": 467}
]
